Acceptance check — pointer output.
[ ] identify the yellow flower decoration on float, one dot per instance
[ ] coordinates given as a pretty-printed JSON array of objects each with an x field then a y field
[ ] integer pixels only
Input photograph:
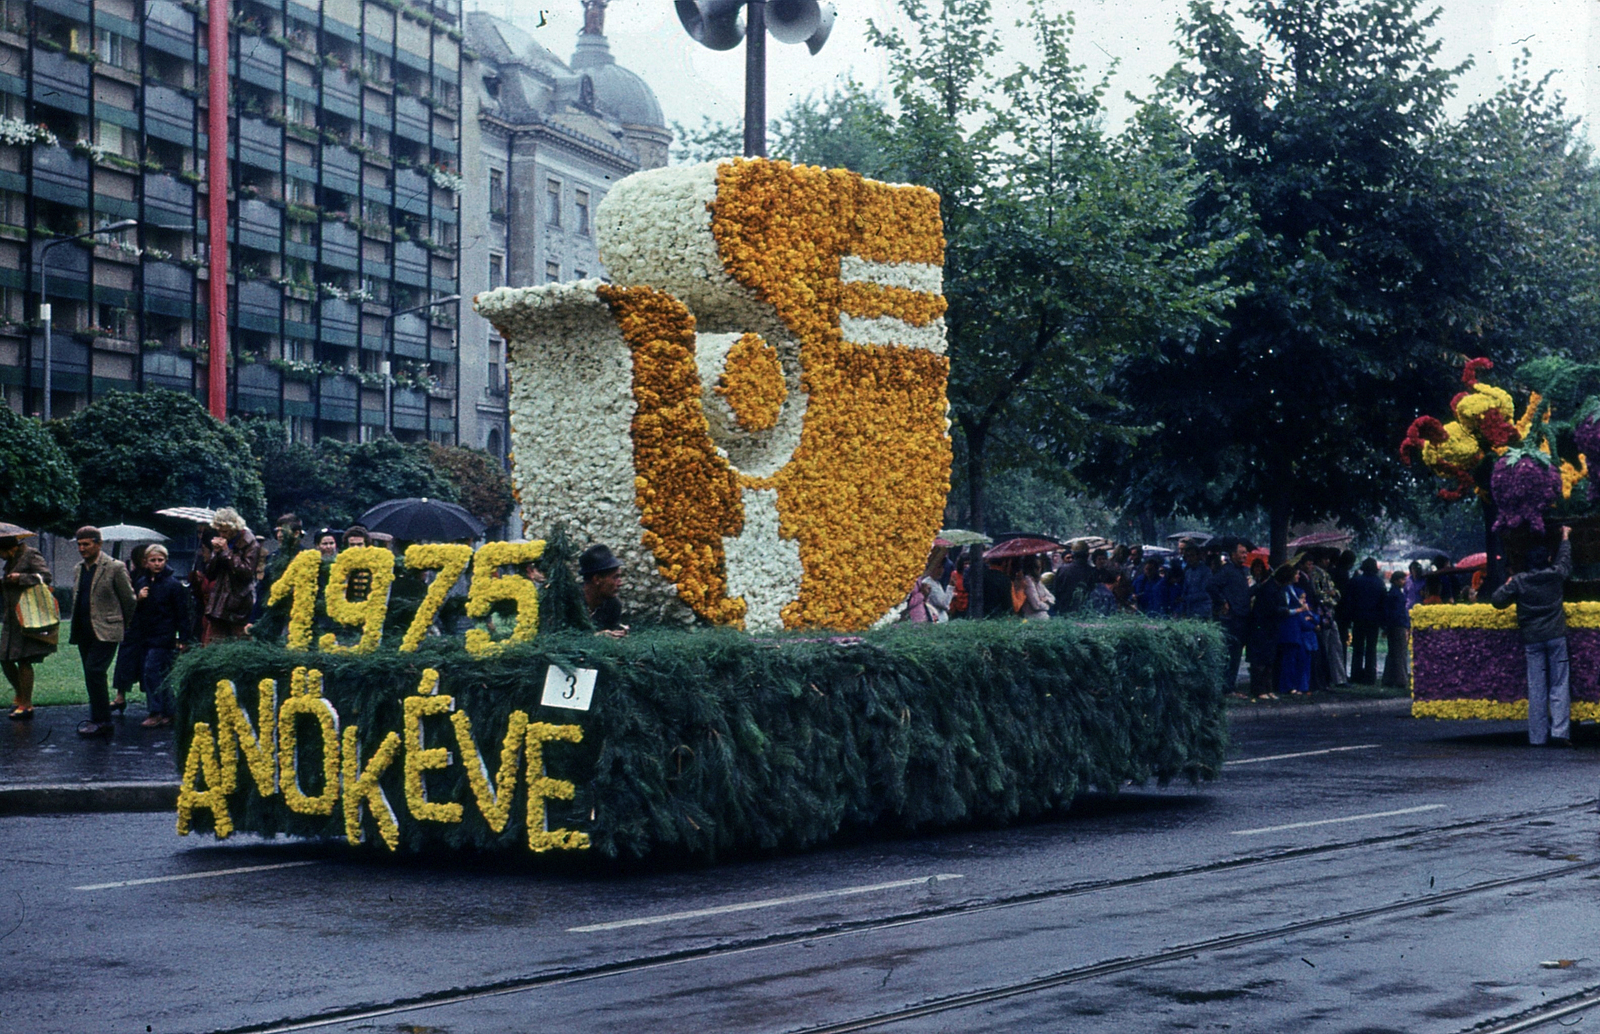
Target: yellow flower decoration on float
[
  {"x": 201, "y": 764},
  {"x": 450, "y": 561},
  {"x": 299, "y": 580},
  {"x": 235, "y": 734},
  {"x": 420, "y": 759},
  {"x": 687, "y": 493},
  {"x": 864, "y": 493},
  {"x": 1525, "y": 424},
  {"x": 361, "y": 786},
  {"x": 494, "y": 798},
  {"x": 305, "y": 698},
  {"x": 1460, "y": 450},
  {"x": 542, "y": 788},
  {"x": 1478, "y": 401},
  {"x": 489, "y": 586},
  {"x": 752, "y": 383},
  {"x": 1570, "y": 475},
  {"x": 368, "y": 613},
  {"x": 1482, "y": 615}
]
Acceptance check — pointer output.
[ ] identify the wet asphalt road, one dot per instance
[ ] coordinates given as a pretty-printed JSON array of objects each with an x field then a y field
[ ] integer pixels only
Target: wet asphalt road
[{"x": 1396, "y": 875}]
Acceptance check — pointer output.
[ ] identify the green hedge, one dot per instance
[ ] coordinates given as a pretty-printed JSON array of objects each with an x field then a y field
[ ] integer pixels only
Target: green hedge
[{"x": 707, "y": 741}]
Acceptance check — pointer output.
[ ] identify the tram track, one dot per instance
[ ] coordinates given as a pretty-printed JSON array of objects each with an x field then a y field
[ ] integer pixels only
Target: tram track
[
  {"x": 743, "y": 946},
  {"x": 1571, "y": 1005}
]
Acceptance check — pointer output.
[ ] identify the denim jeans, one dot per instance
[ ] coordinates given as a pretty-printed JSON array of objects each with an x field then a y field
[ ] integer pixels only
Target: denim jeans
[
  {"x": 157, "y": 662},
  {"x": 1549, "y": 695}
]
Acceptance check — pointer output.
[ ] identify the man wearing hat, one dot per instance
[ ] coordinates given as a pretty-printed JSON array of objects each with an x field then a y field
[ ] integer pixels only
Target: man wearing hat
[{"x": 601, "y": 572}]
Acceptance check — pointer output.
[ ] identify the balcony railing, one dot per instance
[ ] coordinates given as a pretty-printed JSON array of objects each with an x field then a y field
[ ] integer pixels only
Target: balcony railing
[
  {"x": 60, "y": 175},
  {"x": 168, "y": 114},
  {"x": 341, "y": 245},
  {"x": 260, "y": 143},
  {"x": 168, "y": 201},
  {"x": 60, "y": 81},
  {"x": 411, "y": 190},
  {"x": 260, "y": 62}
]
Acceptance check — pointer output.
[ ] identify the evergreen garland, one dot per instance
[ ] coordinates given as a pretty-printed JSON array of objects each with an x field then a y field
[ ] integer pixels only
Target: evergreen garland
[{"x": 707, "y": 741}]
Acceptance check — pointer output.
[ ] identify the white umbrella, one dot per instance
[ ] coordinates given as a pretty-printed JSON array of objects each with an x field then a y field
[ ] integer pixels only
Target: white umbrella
[
  {"x": 198, "y": 514},
  {"x": 130, "y": 533}
]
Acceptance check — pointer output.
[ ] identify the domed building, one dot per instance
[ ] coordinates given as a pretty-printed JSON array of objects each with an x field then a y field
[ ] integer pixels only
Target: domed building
[{"x": 542, "y": 141}]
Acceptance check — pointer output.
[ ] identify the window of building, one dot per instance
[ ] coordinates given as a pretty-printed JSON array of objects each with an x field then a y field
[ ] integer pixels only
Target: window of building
[
  {"x": 13, "y": 208},
  {"x": 298, "y": 111},
  {"x": 115, "y": 139},
  {"x": 497, "y": 190},
  {"x": 580, "y": 274},
  {"x": 580, "y": 211},
  {"x": 552, "y": 211},
  {"x": 552, "y": 272},
  {"x": 299, "y": 191},
  {"x": 376, "y": 139},
  {"x": 497, "y": 270},
  {"x": 116, "y": 50},
  {"x": 375, "y": 213},
  {"x": 375, "y": 64}
]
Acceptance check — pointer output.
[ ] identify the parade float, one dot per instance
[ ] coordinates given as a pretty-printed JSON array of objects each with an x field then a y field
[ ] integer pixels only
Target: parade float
[
  {"x": 1530, "y": 475},
  {"x": 752, "y": 415}
]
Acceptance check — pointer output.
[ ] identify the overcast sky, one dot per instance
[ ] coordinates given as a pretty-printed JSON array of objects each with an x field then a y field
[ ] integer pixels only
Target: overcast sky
[{"x": 1136, "y": 35}]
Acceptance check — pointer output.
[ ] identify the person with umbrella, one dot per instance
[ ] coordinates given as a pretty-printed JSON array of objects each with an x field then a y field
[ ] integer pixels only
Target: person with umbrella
[
  {"x": 25, "y": 567},
  {"x": 231, "y": 561}
]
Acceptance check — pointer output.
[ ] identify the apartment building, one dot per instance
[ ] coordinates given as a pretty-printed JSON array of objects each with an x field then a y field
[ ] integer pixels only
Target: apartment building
[
  {"x": 344, "y": 204},
  {"x": 543, "y": 140}
]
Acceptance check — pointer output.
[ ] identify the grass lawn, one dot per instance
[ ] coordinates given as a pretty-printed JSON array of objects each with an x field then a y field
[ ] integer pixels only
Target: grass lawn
[{"x": 58, "y": 679}]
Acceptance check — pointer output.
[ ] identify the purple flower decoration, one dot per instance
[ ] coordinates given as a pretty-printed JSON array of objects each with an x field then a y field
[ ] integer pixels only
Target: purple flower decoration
[{"x": 1523, "y": 488}]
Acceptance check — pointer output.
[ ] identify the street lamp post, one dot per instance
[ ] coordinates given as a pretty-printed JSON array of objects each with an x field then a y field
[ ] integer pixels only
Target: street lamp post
[
  {"x": 44, "y": 306},
  {"x": 388, "y": 356},
  {"x": 721, "y": 24}
]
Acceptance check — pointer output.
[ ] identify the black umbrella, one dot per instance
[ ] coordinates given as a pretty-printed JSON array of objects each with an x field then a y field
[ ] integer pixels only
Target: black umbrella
[{"x": 422, "y": 520}]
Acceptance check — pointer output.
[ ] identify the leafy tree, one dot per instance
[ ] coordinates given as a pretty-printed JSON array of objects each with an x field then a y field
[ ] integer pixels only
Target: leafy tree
[
  {"x": 1068, "y": 248},
  {"x": 298, "y": 478},
  {"x": 38, "y": 484},
  {"x": 386, "y": 469},
  {"x": 1374, "y": 229},
  {"x": 140, "y": 452},
  {"x": 846, "y": 127},
  {"x": 481, "y": 484}
]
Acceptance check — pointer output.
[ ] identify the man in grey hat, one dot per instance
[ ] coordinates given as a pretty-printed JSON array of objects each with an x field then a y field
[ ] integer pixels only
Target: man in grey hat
[{"x": 601, "y": 572}]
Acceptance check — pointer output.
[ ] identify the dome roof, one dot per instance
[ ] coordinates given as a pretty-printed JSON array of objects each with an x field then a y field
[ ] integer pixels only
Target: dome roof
[{"x": 617, "y": 91}]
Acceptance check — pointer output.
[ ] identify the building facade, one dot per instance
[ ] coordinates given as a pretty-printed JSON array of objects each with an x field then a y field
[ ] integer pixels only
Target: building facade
[
  {"x": 344, "y": 205},
  {"x": 542, "y": 142}
]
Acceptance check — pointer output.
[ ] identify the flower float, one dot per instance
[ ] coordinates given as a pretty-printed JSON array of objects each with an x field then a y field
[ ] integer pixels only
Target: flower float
[{"x": 753, "y": 415}]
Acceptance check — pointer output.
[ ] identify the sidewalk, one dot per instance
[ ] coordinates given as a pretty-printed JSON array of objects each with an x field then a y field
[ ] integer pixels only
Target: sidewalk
[
  {"x": 1350, "y": 700},
  {"x": 45, "y": 766}
]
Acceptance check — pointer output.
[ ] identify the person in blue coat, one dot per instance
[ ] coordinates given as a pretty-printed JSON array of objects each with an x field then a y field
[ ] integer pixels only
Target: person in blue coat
[{"x": 1297, "y": 633}]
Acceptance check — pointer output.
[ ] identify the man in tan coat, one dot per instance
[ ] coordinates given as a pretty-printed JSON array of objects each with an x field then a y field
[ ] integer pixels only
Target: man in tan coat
[{"x": 102, "y": 606}]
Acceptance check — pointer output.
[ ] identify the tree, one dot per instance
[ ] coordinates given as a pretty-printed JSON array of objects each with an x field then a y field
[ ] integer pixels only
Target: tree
[
  {"x": 298, "y": 478},
  {"x": 1068, "y": 249},
  {"x": 481, "y": 484},
  {"x": 1373, "y": 230},
  {"x": 385, "y": 469},
  {"x": 38, "y": 484},
  {"x": 140, "y": 452},
  {"x": 845, "y": 127}
]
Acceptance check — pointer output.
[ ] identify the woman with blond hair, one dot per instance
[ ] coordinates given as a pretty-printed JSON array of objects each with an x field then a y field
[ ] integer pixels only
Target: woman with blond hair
[{"x": 231, "y": 566}]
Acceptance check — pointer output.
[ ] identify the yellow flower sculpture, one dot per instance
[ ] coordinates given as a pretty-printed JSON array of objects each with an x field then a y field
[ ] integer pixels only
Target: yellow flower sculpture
[{"x": 753, "y": 418}]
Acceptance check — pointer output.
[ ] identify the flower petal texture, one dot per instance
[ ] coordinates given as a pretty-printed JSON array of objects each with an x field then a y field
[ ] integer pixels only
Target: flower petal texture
[{"x": 753, "y": 416}]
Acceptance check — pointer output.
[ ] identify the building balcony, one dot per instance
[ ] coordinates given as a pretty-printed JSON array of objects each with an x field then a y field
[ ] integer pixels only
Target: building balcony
[
  {"x": 411, "y": 189},
  {"x": 168, "y": 370},
  {"x": 410, "y": 335},
  {"x": 411, "y": 118},
  {"x": 260, "y": 224},
  {"x": 169, "y": 27},
  {"x": 341, "y": 168},
  {"x": 260, "y": 305},
  {"x": 341, "y": 322},
  {"x": 260, "y": 144},
  {"x": 169, "y": 115},
  {"x": 60, "y": 175},
  {"x": 410, "y": 410},
  {"x": 411, "y": 264},
  {"x": 338, "y": 397},
  {"x": 341, "y": 246},
  {"x": 259, "y": 388},
  {"x": 168, "y": 201},
  {"x": 340, "y": 93},
  {"x": 169, "y": 289},
  {"x": 260, "y": 62},
  {"x": 60, "y": 81}
]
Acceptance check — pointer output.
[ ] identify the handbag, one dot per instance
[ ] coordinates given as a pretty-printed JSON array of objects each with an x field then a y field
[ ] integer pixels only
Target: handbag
[{"x": 38, "y": 614}]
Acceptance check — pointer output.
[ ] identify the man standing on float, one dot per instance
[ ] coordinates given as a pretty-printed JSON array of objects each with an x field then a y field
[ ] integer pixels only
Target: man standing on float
[{"x": 1542, "y": 620}]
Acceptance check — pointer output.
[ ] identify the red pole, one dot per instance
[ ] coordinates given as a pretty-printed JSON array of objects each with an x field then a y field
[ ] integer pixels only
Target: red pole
[{"x": 217, "y": 206}]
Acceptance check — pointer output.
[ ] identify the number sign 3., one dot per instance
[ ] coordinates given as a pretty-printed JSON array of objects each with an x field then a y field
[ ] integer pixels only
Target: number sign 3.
[{"x": 570, "y": 689}]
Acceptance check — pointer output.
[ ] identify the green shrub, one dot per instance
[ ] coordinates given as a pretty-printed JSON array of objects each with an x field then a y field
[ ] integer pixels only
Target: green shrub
[{"x": 707, "y": 741}]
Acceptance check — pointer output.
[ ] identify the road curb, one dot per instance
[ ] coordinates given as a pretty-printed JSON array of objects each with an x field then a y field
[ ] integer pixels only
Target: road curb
[
  {"x": 1387, "y": 705},
  {"x": 57, "y": 798}
]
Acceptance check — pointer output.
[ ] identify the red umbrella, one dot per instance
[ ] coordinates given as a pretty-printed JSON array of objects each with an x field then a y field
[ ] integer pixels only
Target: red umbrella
[
  {"x": 1468, "y": 563},
  {"x": 1021, "y": 546}
]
